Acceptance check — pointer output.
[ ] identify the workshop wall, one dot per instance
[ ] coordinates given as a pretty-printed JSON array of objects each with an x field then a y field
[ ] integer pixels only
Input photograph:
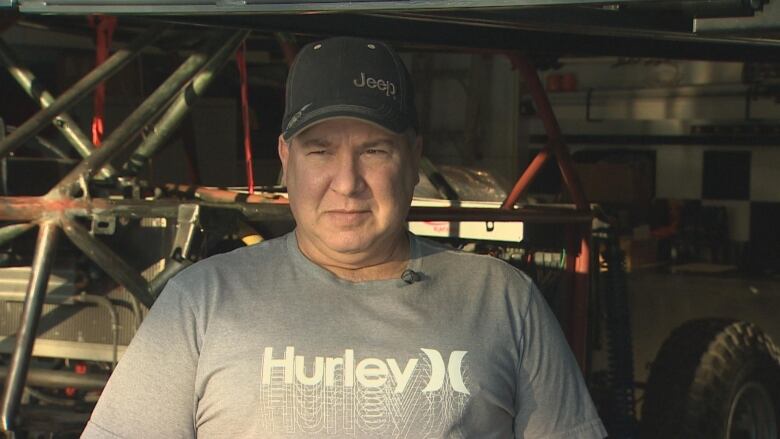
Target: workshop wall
[
  {"x": 710, "y": 131},
  {"x": 468, "y": 106}
]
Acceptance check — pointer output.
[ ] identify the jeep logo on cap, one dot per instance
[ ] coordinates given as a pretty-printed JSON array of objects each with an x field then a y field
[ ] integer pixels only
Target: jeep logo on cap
[{"x": 388, "y": 87}]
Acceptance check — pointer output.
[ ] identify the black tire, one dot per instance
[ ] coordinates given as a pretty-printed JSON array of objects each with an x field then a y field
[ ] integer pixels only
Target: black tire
[{"x": 713, "y": 379}]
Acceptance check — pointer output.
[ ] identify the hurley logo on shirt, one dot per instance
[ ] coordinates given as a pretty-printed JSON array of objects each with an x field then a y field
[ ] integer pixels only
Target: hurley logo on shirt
[{"x": 368, "y": 372}]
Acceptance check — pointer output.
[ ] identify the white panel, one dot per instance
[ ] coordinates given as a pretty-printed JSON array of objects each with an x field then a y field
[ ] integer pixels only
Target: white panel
[
  {"x": 482, "y": 230},
  {"x": 608, "y": 72},
  {"x": 678, "y": 172},
  {"x": 738, "y": 213},
  {"x": 510, "y": 231},
  {"x": 765, "y": 175}
]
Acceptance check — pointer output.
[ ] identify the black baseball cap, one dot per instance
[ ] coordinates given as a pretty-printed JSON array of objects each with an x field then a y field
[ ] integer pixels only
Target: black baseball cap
[{"x": 348, "y": 77}]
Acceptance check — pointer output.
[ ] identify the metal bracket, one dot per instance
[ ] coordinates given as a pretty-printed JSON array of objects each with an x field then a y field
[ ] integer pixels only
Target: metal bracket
[
  {"x": 103, "y": 225},
  {"x": 187, "y": 223}
]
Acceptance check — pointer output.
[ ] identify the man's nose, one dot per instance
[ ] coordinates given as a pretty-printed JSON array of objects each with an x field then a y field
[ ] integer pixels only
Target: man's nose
[{"x": 347, "y": 178}]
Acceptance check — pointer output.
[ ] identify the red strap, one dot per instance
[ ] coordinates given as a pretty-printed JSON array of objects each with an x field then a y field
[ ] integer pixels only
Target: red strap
[
  {"x": 241, "y": 63},
  {"x": 104, "y": 32}
]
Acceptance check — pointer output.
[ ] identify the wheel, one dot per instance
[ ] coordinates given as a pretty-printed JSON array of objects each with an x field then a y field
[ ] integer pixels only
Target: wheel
[{"x": 713, "y": 379}]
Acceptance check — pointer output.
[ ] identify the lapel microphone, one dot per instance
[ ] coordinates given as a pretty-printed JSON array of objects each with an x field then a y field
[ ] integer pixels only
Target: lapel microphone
[{"x": 410, "y": 276}]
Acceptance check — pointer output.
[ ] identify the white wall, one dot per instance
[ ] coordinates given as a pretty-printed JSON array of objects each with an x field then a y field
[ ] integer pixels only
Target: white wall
[
  {"x": 679, "y": 168},
  {"x": 679, "y": 176}
]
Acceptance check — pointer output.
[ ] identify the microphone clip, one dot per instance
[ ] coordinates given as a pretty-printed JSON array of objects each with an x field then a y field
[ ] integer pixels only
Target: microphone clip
[{"x": 410, "y": 276}]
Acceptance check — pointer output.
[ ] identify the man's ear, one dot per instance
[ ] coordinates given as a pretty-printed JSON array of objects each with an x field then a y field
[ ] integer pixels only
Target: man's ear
[
  {"x": 418, "y": 147},
  {"x": 284, "y": 153}
]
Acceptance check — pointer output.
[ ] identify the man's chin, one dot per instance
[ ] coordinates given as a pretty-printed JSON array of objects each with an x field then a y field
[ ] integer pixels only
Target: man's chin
[
  {"x": 346, "y": 245},
  {"x": 349, "y": 242},
  {"x": 355, "y": 243}
]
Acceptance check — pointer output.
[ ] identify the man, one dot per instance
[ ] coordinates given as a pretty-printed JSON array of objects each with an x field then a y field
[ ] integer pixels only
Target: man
[{"x": 349, "y": 326}]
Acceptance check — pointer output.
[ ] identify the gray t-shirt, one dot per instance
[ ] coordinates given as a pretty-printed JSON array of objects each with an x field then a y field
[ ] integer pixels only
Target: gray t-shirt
[{"x": 263, "y": 343}]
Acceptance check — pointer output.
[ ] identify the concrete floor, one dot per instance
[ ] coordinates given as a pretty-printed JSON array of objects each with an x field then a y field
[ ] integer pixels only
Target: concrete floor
[{"x": 662, "y": 302}]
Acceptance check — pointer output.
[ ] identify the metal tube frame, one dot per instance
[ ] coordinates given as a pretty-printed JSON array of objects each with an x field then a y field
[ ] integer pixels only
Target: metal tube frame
[
  {"x": 528, "y": 176},
  {"x": 183, "y": 104},
  {"x": 118, "y": 141},
  {"x": 58, "y": 379},
  {"x": 9, "y": 233},
  {"x": 555, "y": 139},
  {"x": 109, "y": 261},
  {"x": 63, "y": 122},
  {"x": 78, "y": 91},
  {"x": 59, "y": 207},
  {"x": 25, "y": 337}
]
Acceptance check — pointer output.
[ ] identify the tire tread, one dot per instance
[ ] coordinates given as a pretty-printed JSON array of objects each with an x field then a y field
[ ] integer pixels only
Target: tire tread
[{"x": 696, "y": 369}]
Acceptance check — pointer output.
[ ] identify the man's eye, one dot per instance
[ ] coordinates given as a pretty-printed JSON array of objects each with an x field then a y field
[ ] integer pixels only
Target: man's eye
[
  {"x": 317, "y": 152},
  {"x": 375, "y": 151}
]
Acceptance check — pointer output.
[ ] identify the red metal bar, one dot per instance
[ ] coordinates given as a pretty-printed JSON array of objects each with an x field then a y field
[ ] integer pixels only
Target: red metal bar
[
  {"x": 578, "y": 273},
  {"x": 571, "y": 280},
  {"x": 554, "y": 136},
  {"x": 222, "y": 195},
  {"x": 104, "y": 25},
  {"x": 525, "y": 180},
  {"x": 37, "y": 208},
  {"x": 241, "y": 63},
  {"x": 20, "y": 208},
  {"x": 578, "y": 338},
  {"x": 578, "y": 256}
]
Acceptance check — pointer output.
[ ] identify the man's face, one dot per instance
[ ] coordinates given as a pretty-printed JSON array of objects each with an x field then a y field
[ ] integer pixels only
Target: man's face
[{"x": 350, "y": 185}]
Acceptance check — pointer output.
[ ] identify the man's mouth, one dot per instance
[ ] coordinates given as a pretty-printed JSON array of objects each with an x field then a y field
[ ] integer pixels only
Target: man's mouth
[{"x": 348, "y": 216}]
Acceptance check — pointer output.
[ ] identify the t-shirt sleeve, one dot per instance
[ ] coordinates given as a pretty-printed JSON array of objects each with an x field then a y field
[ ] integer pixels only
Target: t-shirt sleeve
[
  {"x": 552, "y": 399},
  {"x": 151, "y": 393}
]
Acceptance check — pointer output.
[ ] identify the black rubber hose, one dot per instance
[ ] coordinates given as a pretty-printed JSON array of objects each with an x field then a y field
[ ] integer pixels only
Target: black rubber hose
[{"x": 622, "y": 417}]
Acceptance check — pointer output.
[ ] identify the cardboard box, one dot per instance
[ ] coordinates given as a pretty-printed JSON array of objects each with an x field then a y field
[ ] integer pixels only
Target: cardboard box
[
  {"x": 616, "y": 183},
  {"x": 640, "y": 253}
]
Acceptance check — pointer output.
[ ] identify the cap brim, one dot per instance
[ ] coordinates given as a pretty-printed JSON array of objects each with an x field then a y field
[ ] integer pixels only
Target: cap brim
[{"x": 385, "y": 118}]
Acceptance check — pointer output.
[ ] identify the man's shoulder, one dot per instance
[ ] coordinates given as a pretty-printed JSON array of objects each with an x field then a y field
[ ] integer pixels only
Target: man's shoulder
[{"x": 250, "y": 259}]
